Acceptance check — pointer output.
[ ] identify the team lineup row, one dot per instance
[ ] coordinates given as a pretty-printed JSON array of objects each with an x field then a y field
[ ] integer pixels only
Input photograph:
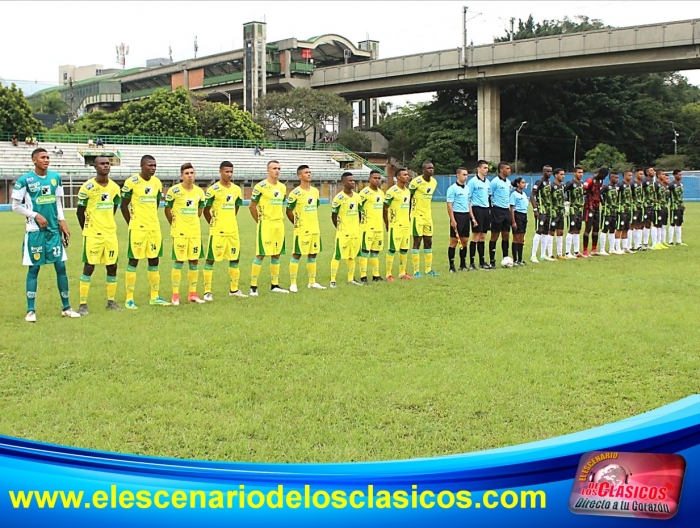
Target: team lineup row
[{"x": 361, "y": 219}]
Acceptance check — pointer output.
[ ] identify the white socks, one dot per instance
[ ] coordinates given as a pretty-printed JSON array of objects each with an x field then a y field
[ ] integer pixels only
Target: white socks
[
  {"x": 603, "y": 239},
  {"x": 569, "y": 239},
  {"x": 577, "y": 242},
  {"x": 535, "y": 243},
  {"x": 678, "y": 235},
  {"x": 560, "y": 246}
]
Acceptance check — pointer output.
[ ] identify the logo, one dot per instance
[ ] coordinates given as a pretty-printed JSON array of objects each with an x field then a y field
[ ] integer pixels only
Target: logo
[
  {"x": 45, "y": 190},
  {"x": 89, "y": 186},
  {"x": 53, "y": 182},
  {"x": 174, "y": 189},
  {"x": 309, "y": 200},
  {"x": 640, "y": 485},
  {"x": 352, "y": 206},
  {"x": 229, "y": 198},
  {"x": 31, "y": 295},
  {"x": 147, "y": 190},
  {"x": 43, "y": 200},
  {"x": 189, "y": 202},
  {"x": 378, "y": 199},
  {"x": 276, "y": 194},
  {"x": 104, "y": 197}
]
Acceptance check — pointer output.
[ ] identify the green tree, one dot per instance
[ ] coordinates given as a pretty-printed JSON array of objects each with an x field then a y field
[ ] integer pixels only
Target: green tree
[
  {"x": 165, "y": 113},
  {"x": 101, "y": 123},
  {"x": 50, "y": 103},
  {"x": 217, "y": 120},
  {"x": 16, "y": 114},
  {"x": 296, "y": 113},
  {"x": 354, "y": 140},
  {"x": 687, "y": 123},
  {"x": 603, "y": 155}
]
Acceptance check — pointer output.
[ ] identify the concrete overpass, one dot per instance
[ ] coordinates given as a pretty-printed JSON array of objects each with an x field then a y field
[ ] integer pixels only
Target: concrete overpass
[{"x": 669, "y": 46}]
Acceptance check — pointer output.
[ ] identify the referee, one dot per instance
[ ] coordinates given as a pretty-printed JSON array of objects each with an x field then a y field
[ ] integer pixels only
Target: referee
[
  {"x": 458, "y": 211},
  {"x": 500, "y": 211},
  {"x": 479, "y": 191}
]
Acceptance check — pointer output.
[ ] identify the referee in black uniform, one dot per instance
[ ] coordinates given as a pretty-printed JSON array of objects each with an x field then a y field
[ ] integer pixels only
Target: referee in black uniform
[{"x": 458, "y": 211}]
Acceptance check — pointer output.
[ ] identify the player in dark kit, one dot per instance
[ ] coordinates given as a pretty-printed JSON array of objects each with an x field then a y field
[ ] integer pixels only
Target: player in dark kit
[
  {"x": 675, "y": 190},
  {"x": 624, "y": 215},
  {"x": 591, "y": 209},
  {"x": 660, "y": 210},
  {"x": 556, "y": 223},
  {"x": 574, "y": 195},
  {"x": 649, "y": 199},
  {"x": 637, "y": 221},
  {"x": 541, "y": 199},
  {"x": 609, "y": 203}
]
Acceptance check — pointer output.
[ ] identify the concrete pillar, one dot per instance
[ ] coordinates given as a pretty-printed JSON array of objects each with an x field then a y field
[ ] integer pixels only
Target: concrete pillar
[
  {"x": 186, "y": 78},
  {"x": 344, "y": 123},
  {"x": 286, "y": 59},
  {"x": 489, "y": 122}
]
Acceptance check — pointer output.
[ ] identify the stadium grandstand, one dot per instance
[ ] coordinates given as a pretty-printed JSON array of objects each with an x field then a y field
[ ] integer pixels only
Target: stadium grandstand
[{"x": 74, "y": 161}]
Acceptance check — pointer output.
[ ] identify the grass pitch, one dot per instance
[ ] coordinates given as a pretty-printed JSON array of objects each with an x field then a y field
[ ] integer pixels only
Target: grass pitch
[{"x": 433, "y": 367}]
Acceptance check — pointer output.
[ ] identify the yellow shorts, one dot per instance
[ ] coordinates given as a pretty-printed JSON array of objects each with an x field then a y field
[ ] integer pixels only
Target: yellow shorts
[
  {"x": 100, "y": 250},
  {"x": 372, "y": 241},
  {"x": 347, "y": 247},
  {"x": 306, "y": 244},
  {"x": 270, "y": 238},
  {"x": 224, "y": 247},
  {"x": 187, "y": 248},
  {"x": 399, "y": 239},
  {"x": 422, "y": 226},
  {"x": 145, "y": 244}
]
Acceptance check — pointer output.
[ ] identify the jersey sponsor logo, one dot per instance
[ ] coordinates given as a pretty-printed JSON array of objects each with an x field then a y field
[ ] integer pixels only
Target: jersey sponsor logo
[
  {"x": 228, "y": 207},
  {"x": 89, "y": 186},
  {"x": 175, "y": 190},
  {"x": 53, "y": 182},
  {"x": 45, "y": 190},
  {"x": 32, "y": 187},
  {"x": 229, "y": 198},
  {"x": 43, "y": 200},
  {"x": 135, "y": 179},
  {"x": 149, "y": 190},
  {"x": 147, "y": 199},
  {"x": 309, "y": 208},
  {"x": 277, "y": 201},
  {"x": 103, "y": 206},
  {"x": 104, "y": 197}
]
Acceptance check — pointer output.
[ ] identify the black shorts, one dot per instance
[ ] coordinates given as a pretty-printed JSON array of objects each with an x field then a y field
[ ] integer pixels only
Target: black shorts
[
  {"x": 463, "y": 223},
  {"x": 610, "y": 224},
  {"x": 575, "y": 221},
  {"x": 483, "y": 219},
  {"x": 637, "y": 217},
  {"x": 623, "y": 221},
  {"x": 500, "y": 220},
  {"x": 648, "y": 215},
  {"x": 542, "y": 224},
  {"x": 521, "y": 222},
  {"x": 661, "y": 218},
  {"x": 677, "y": 218},
  {"x": 592, "y": 218},
  {"x": 556, "y": 223}
]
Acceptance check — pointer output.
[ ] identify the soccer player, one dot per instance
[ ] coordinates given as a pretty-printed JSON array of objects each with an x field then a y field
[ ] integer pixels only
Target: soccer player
[
  {"x": 345, "y": 214},
  {"x": 541, "y": 200},
  {"x": 98, "y": 201},
  {"x": 397, "y": 220},
  {"x": 574, "y": 195},
  {"x": 267, "y": 209},
  {"x": 500, "y": 211},
  {"x": 518, "y": 216},
  {"x": 591, "y": 210},
  {"x": 675, "y": 190},
  {"x": 638, "y": 211},
  {"x": 649, "y": 200},
  {"x": 624, "y": 214},
  {"x": 479, "y": 193},
  {"x": 141, "y": 195},
  {"x": 422, "y": 189},
  {"x": 609, "y": 202},
  {"x": 184, "y": 203},
  {"x": 38, "y": 196},
  {"x": 302, "y": 211},
  {"x": 660, "y": 211},
  {"x": 558, "y": 210},
  {"x": 222, "y": 201},
  {"x": 372, "y": 231},
  {"x": 458, "y": 211}
]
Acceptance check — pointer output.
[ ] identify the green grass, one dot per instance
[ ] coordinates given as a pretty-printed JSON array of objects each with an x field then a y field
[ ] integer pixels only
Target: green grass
[{"x": 438, "y": 366}]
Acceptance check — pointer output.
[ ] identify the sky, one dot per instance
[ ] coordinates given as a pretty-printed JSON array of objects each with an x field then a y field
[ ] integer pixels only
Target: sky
[{"x": 83, "y": 33}]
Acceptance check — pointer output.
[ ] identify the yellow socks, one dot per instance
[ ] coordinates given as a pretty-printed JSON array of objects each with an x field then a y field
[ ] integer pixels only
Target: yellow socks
[
  {"x": 311, "y": 270},
  {"x": 428, "y": 253},
  {"x": 335, "y": 264},
  {"x": 208, "y": 277},
  {"x": 389, "y": 263},
  {"x": 255, "y": 272},
  {"x": 176, "y": 277},
  {"x": 192, "y": 278},
  {"x": 415, "y": 257},
  {"x": 374, "y": 264},
  {"x": 293, "y": 270},
  {"x": 351, "y": 269},
  {"x": 234, "y": 275},
  {"x": 84, "y": 288},
  {"x": 111, "y": 287},
  {"x": 275, "y": 271},
  {"x": 403, "y": 262},
  {"x": 130, "y": 280}
]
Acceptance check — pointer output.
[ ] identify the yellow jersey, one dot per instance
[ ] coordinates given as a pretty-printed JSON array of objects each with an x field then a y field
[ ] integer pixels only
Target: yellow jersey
[
  {"x": 145, "y": 196},
  {"x": 399, "y": 202},
  {"x": 305, "y": 206},
  {"x": 348, "y": 211},
  {"x": 270, "y": 201},
  {"x": 185, "y": 207},
  {"x": 99, "y": 202},
  {"x": 223, "y": 202},
  {"x": 422, "y": 193},
  {"x": 372, "y": 209}
]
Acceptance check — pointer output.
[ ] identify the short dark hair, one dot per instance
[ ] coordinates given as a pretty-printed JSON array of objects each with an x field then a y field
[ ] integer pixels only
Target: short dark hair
[
  {"x": 399, "y": 171},
  {"x": 37, "y": 151},
  {"x": 98, "y": 157},
  {"x": 146, "y": 158},
  {"x": 374, "y": 171},
  {"x": 426, "y": 162},
  {"x": 301, "y": 168},
  {"x": 578, "y": 167},
  {"x": 460, "y": 169},
  {"x": 503, "y": 164},
  {"x": 677, "y": 171},
  {"x": 225, "y": 164},
  {"x": 614, "y": 173},
  {"x": 546, "y": 167},
  {"x": 482, "y": 162},
  {"x": 185, "y": 166},
  {"x": 272, "y": 161},
  {"x": 557, "y": 170},
  {"x": 345, "y": 175}
]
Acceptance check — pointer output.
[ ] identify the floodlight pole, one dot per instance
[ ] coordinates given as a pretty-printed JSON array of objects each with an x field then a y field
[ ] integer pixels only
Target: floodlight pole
[
  {"x": 675, "y": 138},
  {"x": 464, "y": 35},
  {"x": 517, "y": 132}
]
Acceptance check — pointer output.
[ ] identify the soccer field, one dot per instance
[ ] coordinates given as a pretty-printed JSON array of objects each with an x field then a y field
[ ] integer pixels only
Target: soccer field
[{"x": 432, "y": 367}]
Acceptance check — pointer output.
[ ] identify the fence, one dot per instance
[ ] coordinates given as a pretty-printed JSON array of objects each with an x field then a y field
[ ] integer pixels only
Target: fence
[{"x": 691, "y": 184}]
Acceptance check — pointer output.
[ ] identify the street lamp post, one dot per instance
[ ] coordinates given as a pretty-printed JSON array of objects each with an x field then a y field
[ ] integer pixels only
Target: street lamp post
[
  {"x": 675, "y": 138},
  {"x": 228, "y": 95},
  {"x": 516, "y": 145}
]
